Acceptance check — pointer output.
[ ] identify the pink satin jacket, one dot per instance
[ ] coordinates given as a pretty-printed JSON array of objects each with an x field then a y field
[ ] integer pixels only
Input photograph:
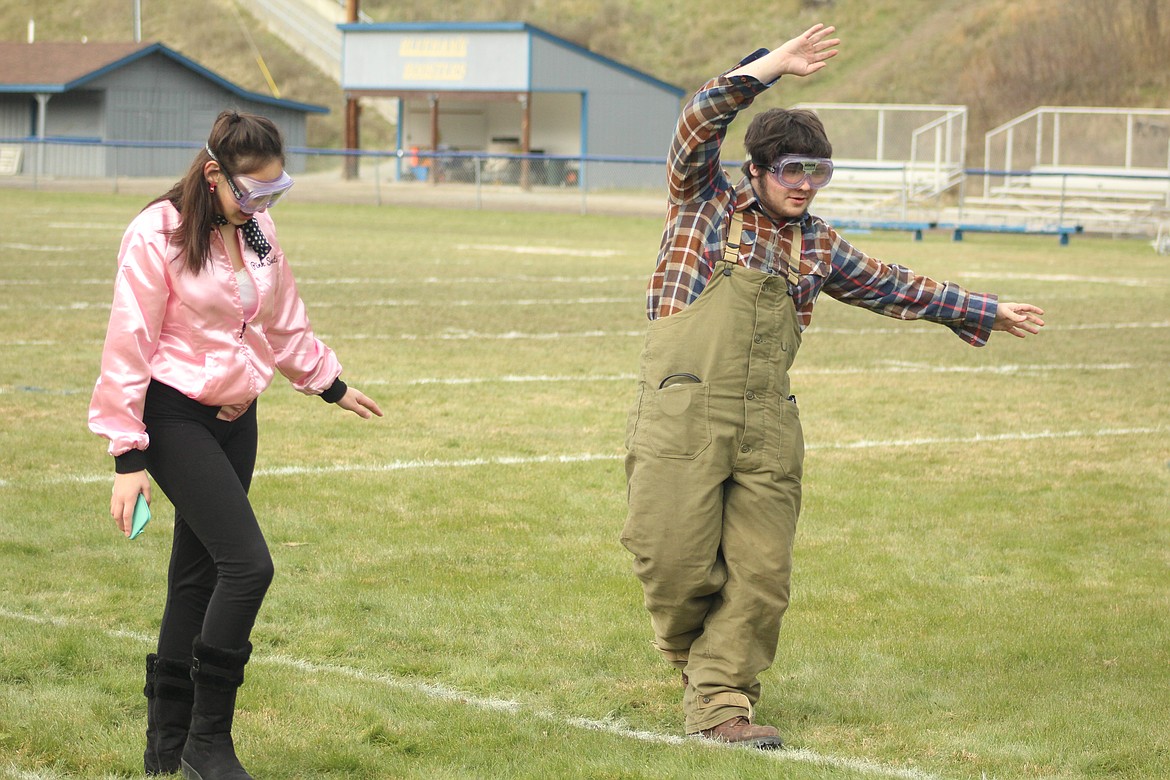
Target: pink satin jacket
[{"x": 189, "y": 331}]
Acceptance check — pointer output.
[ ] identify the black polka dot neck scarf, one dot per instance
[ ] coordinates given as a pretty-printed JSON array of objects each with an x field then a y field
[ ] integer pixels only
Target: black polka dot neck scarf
[{"x": 254, "y": 238}]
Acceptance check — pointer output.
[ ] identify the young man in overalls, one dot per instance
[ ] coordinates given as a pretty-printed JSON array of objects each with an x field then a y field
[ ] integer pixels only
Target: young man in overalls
[{"x": 715, "y": 447}]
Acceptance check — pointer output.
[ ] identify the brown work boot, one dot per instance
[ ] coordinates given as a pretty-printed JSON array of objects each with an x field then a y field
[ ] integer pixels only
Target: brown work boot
[{"x": 740, "y": 731}]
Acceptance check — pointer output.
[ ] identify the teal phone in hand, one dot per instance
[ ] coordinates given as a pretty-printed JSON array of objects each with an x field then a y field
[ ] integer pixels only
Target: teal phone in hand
[{"x": 141, "y": 517}]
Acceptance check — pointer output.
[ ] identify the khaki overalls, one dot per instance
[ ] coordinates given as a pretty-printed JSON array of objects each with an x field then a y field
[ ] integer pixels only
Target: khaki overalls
[{"x": 715, "y": 454}]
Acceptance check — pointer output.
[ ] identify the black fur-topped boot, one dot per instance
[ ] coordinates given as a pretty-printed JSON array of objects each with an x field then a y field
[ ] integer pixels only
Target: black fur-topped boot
[
  {"x": 169, "y": 695},
  {"x": 209, "y": 753}
]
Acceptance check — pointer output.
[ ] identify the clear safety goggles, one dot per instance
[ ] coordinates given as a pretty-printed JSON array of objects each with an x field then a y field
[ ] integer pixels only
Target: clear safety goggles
[
  {"x": 253, "y": 195},
  {"x": 793, "y": 172}
]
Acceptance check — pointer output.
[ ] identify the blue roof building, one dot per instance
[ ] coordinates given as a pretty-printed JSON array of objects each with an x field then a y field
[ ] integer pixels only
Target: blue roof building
[
  {"x": 509, "y": 87},
  {"x": 91, "y": 94}
]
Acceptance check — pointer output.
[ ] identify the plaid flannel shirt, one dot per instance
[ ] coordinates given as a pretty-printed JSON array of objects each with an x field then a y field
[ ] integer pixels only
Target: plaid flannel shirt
[{"x": 701, "y": 199}]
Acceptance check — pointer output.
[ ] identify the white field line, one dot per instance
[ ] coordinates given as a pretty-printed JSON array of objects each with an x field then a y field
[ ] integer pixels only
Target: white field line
[
  {"x": 73, "y": 263},
  {"x": 527, "y": 278},
  {"x": 541, "y": 250},
  {"x": 463, "y": 303},
  {"x": 448, "y": 281},
  {"x": 346, "y": 281},
  {"x": 897, "y": 367},
  {"x": 384, "y": 303},
  {"x": 1016, "y": 276},
  {"x": 475, "y": 335},
  {"x": 909, "y": 331},
  {"x": 46, "y": 342},
  {"x": 54, "y": 282},
  {"x": 505, "y": 379},
  {"x": 890, "y": 367},
  {"x": 894, "y": 367},
  {"x": 516, "y": 335},
  {"x": 118, "y": 226},
  {"x": 471, "y": 335},
  {"x": 38, "y": 248},
  {"x": 491, "y": 704},
  {"x": 587, "y": 457},
  {"x": 1005, "y": 275}
]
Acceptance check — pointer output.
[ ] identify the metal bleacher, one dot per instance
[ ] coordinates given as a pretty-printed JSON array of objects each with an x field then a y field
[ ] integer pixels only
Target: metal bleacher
[
  {"x": 1101, "y": 199},
  {"x": 1106, "y": 170},
  {"x": 1090, "y": 170},
  {"x": 893, "y": 162}
]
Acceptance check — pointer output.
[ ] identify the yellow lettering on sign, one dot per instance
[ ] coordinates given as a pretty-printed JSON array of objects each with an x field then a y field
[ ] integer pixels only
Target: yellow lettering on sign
[
  {"x": 434, "y": 71},
  {"x": 433, "y": 47}
]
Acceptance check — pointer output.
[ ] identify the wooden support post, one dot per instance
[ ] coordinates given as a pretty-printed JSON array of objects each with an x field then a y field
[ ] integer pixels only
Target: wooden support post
[
  {"x": 434, "y": 162},
  {"x": 352, "y": 110},
  {"x": 352, "y": 139},
  {"x": 525, "y": 139}
]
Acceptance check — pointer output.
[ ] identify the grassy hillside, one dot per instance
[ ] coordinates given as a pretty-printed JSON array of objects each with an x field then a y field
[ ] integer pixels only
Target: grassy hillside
[{"x": 999, "y": 57}]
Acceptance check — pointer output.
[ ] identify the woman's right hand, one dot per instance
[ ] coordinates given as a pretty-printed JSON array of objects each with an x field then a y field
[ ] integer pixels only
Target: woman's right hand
[{"x": 125, "y": 496}]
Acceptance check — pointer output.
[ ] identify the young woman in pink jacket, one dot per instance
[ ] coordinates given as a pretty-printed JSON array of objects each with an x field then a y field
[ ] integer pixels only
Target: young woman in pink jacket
[{"x": 205, "y": 312}]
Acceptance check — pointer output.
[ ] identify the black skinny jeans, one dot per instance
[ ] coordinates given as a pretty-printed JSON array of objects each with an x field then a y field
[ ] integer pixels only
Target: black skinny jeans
[{"x": 220, "y": 565}]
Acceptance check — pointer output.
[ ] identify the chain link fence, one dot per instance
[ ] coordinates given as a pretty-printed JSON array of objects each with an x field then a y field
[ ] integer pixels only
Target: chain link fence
[
  {"x": 589, "y": 184},
  {"x": 459, "y": 179}
]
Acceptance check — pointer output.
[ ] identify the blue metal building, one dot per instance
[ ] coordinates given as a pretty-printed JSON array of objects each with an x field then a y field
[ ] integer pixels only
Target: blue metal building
[
  {"x": 95, "y": 93},
  {"x": 510, "y": 87}
]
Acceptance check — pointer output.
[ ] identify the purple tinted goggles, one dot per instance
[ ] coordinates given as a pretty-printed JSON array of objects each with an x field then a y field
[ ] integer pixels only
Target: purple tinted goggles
[
  {"x": 793, "y": 171},
  {"x": 254, "y": 195}
]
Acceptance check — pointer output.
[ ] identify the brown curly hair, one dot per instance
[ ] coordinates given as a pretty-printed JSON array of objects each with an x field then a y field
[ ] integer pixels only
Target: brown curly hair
[{"x": 780, "y": 131}]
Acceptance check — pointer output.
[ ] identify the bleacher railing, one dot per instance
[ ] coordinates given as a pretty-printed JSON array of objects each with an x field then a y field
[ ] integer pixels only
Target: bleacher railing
[{"x": 1126, "y": 140}]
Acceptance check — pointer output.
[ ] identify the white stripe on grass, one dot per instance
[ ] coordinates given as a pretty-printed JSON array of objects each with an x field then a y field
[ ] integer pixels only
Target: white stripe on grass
[
  {"x": 475, "y": 335},
  {"x": 38, "y": 247},
  {"x": 523, "y": 460},
  {"x": 541, "y": 250},
  {"x": 893, "y": 367},
  {"x": 516, "y": 335},
  {"x": 390, "y": 303},
  {"x": 984, "y": 438},
  {"x": 119, "y": 226},
  {"x": 505, "y": 379},
  {"x": 1016, "y": 276},
  {"x": 492, "y": 704},
  {"x": 447, "y": 281},
  {"x": 491, "y": 302},
  {"x": 909, "y": 329},
  {"x": 906, "y": 329}
]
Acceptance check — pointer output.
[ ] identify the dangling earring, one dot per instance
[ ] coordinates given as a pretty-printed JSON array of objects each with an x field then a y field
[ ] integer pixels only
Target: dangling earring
[{"x": 211, "y": 187}]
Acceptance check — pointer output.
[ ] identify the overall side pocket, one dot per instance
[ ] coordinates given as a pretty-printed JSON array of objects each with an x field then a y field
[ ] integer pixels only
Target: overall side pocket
[{"x": 676, "y": 420}]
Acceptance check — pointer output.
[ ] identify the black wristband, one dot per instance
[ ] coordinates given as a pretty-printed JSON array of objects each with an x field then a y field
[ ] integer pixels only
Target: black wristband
[
  {"x": 335, "y": 392},
  {"x": 129, "y": 462}
]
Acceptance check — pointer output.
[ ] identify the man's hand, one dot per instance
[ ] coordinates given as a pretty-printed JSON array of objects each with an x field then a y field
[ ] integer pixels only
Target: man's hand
[
  {"x": 1018, "y": 319},
  {"x": 803, "y": 55},
  {"x": 806, "y": 53},
  {"x": 357, "y": 402}
]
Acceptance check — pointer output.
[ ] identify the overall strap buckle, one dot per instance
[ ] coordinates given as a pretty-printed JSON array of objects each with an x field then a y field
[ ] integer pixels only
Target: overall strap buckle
[{"x": 734, "y": 238}]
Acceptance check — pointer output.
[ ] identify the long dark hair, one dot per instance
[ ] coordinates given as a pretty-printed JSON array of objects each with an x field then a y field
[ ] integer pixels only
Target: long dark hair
[{"x": 243, "y": 143}]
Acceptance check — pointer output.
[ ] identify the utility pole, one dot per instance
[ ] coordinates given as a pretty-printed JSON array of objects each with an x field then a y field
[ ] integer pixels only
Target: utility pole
[
  {"x": 137, "y": 21},
  {"x": 352, "y": 109}
]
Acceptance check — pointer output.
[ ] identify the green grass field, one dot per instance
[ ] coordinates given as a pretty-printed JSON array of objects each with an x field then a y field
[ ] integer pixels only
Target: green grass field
[{"x": 982, "y": 582}]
